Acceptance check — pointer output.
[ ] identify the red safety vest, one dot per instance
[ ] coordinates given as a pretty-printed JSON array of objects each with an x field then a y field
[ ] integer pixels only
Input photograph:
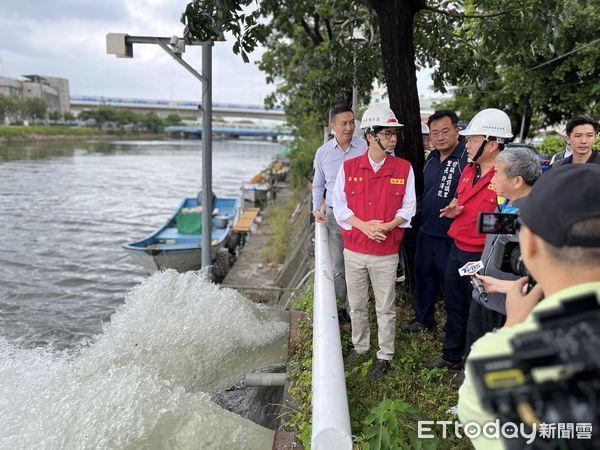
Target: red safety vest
[
  {"x": 476, "y": 199},
  {"x": 375, "y": 196}
]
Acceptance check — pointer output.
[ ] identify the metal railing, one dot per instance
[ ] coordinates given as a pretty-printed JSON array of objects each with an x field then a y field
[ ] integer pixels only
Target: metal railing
[{"x": 330, "y": 414}]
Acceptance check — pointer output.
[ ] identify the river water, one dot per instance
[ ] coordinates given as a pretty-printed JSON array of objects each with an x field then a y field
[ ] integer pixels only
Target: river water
[
  {"x": 93, "y": 353},
  {"x": 65, "y": 210}
]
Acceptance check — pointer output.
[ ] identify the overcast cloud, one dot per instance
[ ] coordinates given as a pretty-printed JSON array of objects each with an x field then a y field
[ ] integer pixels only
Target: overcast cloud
[{"x": 66, "y": 38}]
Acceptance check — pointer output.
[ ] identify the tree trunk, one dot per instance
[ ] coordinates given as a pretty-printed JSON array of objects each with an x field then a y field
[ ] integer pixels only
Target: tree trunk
[{"x": 396, "y": 20}]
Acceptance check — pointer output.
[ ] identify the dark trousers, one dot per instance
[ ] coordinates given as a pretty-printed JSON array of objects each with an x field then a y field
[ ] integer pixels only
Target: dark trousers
[
  {"x": 430, "y": 262},
  {"x": 481, "y": 321},
  {"x": 457, "y": 290}
]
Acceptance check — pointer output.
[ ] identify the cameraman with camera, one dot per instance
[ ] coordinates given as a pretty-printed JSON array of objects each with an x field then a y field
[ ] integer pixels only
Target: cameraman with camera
[{"x": 555, "y": 377}]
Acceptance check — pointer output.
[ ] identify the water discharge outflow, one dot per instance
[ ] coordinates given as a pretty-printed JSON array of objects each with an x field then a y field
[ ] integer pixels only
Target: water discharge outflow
[{"x": 146, "y": 380}]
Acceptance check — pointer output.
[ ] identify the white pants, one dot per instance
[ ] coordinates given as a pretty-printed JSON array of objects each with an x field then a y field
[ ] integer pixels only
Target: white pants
[{"x": 381, "y": 270}]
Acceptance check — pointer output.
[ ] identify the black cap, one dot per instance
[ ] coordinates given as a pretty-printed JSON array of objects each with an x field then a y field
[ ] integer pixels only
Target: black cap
[{"x": 562, "y": 197}]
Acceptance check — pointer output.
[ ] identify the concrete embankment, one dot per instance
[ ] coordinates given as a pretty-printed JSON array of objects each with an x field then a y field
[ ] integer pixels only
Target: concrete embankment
[
  {"x": 273, "y": 283},
  {"x": 276, "y": 285}
]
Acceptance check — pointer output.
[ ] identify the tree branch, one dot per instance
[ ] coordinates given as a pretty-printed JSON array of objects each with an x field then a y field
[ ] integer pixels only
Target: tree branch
[
  {"x": 310, "y": 33},
  {"x": 329, "y": 31},
  {"x": 317, "y": 30},
  {"x": 467, "y": 16}
]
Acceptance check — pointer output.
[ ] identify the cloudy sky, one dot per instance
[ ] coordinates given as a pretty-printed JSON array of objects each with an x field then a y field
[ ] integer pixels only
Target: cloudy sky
[{"x": 66, "y": 38}]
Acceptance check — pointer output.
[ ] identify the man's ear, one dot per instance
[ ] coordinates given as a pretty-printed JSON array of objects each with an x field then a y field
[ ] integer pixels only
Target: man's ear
[{"x": 518, "y": 182}]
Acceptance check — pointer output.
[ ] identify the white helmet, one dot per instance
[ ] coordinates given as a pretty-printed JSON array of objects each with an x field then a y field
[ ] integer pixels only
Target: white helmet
[
  {"x": 379, "y": 115},
  {"x": 490, "y": 122}
]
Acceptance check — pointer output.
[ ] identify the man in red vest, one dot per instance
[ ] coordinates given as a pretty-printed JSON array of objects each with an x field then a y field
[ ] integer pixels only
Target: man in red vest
[
  {"x": 486, "y": 135},
  {"x": 374, "y": 201}
]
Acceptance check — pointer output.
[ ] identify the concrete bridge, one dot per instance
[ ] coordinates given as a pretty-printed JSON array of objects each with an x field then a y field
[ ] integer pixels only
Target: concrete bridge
[{"x": 185, "y": 109}]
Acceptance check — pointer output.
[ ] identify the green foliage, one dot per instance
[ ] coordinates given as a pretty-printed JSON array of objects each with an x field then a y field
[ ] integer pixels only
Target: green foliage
[
  {"x": 304, "y": 301},
  {"x": 300, "y": 374},
  {"x": 312, "y": 59},
  {"x": 540, "y": 60},
  {"x": 34, "y": 108},
  {"x": 108, "y": 114},
  {"x": 309, "y": 54},
  {"x": 282, "y": 228},
  {"x": 384, "y": 412},
  {"x": 391, "y": 425},
  {"x": 29, "y": 108},
  {"x": 552, "y": 144},
  {"x": 173, "y": 119},
  {"x": 303, "y": 154},
  {"x": 9, "y": 106},
  {"x": 18, "y": 132},
  {"x": 54, "y": 115},
  {"x": 537, "y": 59},
  {"x": 207, "y": 20}
]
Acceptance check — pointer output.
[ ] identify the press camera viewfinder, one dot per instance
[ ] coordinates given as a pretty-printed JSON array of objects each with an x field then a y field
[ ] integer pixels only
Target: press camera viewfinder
[{"x": 498, "y": 223}]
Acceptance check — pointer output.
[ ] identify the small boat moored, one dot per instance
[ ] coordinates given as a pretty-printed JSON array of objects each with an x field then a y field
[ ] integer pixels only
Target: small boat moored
[{"x": 173, "y": 247}]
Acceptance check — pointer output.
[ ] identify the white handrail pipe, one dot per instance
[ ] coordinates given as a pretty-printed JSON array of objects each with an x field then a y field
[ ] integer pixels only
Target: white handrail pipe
[{"x": 330, "y": 414}]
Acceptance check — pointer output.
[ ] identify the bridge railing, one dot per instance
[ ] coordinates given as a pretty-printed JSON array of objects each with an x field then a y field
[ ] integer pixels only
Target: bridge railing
[{"x": 330, "y": 414}]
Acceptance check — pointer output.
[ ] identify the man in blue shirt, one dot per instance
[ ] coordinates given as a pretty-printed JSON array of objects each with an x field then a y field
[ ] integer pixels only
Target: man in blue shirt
[
  {"x": 443, "y": 169},
  {"x": 328, "y": 160}
]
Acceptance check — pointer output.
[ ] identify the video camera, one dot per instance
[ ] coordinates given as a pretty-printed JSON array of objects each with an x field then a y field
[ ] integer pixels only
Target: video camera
[
  {"x": 508, "y": 258},
  {"x": 552, "y": 375}
]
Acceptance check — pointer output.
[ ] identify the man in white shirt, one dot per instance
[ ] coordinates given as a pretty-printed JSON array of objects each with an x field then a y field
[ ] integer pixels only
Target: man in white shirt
[{"x": 328, "y": 160}]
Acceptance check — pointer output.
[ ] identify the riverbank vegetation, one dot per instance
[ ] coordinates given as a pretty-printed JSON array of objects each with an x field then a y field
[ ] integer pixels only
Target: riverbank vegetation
[
  {"x": 20, "y": 132},
  {"x": 17, "y": 115},
  {"x": 42, "y": 133},
  {"x": 110, "y": 118},
  {"x": 282, "y": 227},
  {"x": 383, "y": 412}
]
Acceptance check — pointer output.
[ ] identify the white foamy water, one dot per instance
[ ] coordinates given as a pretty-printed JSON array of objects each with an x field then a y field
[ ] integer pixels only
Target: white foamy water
[{"x": 146, "y": 381}]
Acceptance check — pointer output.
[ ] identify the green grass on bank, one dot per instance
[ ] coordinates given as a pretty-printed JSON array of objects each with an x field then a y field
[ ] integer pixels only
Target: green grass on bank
[
  {"x": 384, "y": 413},
  {"x": 23, "y": 132},
  {"x": 278, "y": 217}
]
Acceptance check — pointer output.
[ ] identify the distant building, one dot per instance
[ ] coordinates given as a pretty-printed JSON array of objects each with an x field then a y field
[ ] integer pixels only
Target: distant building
[{"x": 54, "y": 91}]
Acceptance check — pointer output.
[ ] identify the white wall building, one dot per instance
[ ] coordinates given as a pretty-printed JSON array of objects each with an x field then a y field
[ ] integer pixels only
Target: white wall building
[{"x": 54, "y": 91}]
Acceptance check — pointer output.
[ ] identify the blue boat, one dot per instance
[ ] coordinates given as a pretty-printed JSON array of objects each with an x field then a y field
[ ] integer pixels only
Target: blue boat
[{"x": 167, "y": 248}]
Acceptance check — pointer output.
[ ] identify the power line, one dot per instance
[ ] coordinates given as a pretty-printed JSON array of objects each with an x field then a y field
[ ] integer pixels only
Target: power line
[
  {"x": 529, "y": 69},
  {"x": 563, "y": 56}
]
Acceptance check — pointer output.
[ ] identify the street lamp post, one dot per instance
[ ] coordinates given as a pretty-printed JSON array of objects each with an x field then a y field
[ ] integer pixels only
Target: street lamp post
[
  {"x": 121, "y": 45},
  {"x": 357, "y": 37}
]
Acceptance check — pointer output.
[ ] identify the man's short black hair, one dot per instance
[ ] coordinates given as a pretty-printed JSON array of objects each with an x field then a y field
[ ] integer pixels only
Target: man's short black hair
[
  {"x": 580, "y": 120},
  {"x": 338, "y": 109},
  {"x": 441, "y": 114}
]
